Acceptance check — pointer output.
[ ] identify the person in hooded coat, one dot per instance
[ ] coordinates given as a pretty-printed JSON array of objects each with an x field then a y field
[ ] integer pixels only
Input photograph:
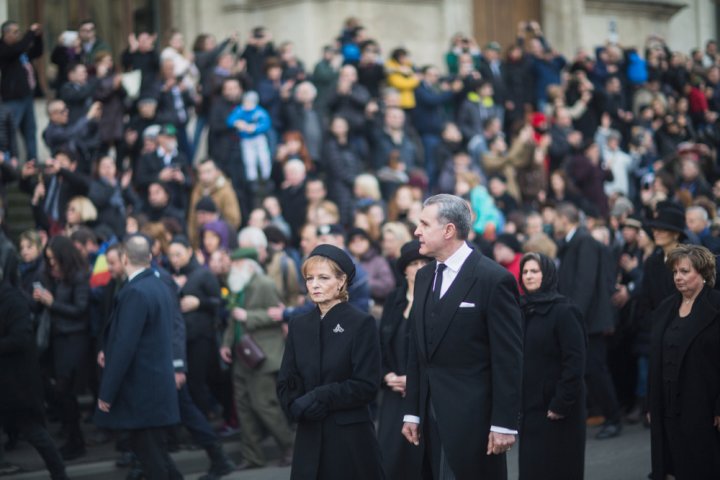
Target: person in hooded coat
[{"x": 552, "y": 431}]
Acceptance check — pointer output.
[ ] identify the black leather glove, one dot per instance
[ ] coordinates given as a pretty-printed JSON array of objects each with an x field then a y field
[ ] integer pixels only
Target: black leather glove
[{"x": 298, "y": 407}]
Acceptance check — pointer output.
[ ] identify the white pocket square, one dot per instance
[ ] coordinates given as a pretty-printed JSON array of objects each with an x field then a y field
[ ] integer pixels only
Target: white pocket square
[{"x": 467, "y": 305}]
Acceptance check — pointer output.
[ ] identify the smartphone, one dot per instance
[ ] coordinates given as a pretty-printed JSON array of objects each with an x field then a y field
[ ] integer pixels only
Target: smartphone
[{"x": 38, "y": 286}]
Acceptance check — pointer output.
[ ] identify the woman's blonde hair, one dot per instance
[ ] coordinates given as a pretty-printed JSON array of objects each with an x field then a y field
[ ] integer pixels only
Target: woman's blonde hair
[
  {"x": 368, "y": 186},
  {"x": 315, "y": 260},
  {"x": 86, "y": 209}
]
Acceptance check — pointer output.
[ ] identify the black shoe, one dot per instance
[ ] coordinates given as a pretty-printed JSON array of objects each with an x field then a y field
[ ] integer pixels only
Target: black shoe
[
  {"x": 220, "y": 464},
  {"x": 72, "y": 450},
  {"x": 609, "y": 430},
  {"x": 125, "y": 460}
]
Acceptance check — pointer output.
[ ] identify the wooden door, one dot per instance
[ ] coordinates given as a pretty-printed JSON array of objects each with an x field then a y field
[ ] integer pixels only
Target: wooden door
[{"x": 497, "y": 20}]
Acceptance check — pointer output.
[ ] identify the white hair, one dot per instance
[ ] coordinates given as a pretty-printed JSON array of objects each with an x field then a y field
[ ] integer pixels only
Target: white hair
[{"x": 252, "y": 237}]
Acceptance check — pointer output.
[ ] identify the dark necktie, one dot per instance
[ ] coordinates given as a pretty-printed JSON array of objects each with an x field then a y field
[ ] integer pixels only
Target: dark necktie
[{"x": 437, "y": 288}]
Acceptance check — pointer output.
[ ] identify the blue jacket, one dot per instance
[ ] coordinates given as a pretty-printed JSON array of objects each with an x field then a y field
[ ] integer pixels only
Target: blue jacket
[
  {"x": 258, "y": 117},
  {"x": 139, "y": 381},
  {"x": 429, "y": 115}
]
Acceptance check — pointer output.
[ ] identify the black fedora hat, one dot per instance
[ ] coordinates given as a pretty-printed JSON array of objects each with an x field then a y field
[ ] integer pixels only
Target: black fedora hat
[
  {"x": 408, "y": 254},
  {"x": 672, "y": 219}
]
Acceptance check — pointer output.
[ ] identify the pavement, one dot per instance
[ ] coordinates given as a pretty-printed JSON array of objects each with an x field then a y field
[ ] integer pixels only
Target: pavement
[{"x": 626, "y": 457}]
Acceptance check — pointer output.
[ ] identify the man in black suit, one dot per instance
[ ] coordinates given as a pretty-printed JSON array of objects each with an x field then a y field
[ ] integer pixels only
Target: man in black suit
[
  {"x": 586, "y": 276},
  {"x": 465, "y": 356},
  {"x": 138, "y": 391}
]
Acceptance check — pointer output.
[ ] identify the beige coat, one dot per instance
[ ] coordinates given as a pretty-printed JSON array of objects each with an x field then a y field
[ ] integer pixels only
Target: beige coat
[{"x": 223, "y": 194}]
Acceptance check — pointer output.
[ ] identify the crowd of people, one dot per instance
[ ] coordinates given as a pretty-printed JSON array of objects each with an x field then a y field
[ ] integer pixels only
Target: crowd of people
[{"x": 592, "y": 180}]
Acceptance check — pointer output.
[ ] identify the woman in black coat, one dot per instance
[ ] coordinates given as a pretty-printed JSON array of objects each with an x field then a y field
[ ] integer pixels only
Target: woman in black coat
[
  {"x": 330, "y": 374},
  {"x": 401, "y": 459},
  {"x": 684, "y": 380},
  {"x": 21, "y": 402},
  {"x": 552, "y": 430},
  {"x": 64, "y": 295},
  {"x": 199, "y": 303}
]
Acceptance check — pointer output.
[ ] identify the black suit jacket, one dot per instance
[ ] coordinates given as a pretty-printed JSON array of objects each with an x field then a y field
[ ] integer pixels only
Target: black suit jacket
[
  {"x": 472, "y": 369},
  {"x": 585, "y": 276}
]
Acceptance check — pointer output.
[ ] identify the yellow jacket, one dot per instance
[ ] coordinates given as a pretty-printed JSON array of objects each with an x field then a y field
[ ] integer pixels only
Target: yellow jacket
[{"x": 402, "y": 82}]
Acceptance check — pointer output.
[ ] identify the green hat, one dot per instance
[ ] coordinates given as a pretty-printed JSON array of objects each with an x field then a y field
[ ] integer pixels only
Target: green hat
[
  {"x": 244, "y": 252},
  {"x": 169, "y": 130},
  {"x": 493, "y": 46}
]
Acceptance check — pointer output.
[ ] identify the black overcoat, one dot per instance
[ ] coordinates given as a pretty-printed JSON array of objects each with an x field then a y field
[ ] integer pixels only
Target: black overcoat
[
  {"x": 698, "y": 457},
  {"x": 337, "y": 358},
  {"x": 553, "y": 371},
  {"x": 585, "y": 276},
  {"x": 473, "y": 366},
  {"x": 19, "y": 370},
  {"x": 401, "y": 460},
  {"x": 139, "y": 380}
]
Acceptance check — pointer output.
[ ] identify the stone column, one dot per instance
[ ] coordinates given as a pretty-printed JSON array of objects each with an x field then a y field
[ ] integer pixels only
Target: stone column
[{"x": 561, "y": 22}]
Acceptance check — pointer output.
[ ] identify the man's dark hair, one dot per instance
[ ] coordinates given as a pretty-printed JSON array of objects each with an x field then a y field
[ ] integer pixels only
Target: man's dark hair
[
  {"x": 569, "y": 211},
  {"x": 6, "y": 25},
  {"x": 83, "y": 235},
  {"x": 85, "y": 22}
]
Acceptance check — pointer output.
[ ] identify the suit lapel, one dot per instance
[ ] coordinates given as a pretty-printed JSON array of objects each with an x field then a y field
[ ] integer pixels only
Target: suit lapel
[
  {"x": 456, "y": 293},
  {"x": 423, "y": 280}
]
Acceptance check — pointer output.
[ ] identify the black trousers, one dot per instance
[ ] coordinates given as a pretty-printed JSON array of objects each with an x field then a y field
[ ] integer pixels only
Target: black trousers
[
  {"x": 150, "y": 447},
  {"x": 435, "y": 464},
  {"x": 601, "y": 389},
  {"x": 202, "y": 363},
  {"x": 32, "y": 429}
]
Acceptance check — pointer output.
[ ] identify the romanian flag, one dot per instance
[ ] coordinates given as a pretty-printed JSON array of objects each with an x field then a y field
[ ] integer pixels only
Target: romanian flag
[{"x": 100, "y": 275}]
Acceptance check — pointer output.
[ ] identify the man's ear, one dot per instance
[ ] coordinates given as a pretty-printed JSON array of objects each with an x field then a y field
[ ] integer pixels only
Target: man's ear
[{"x": 450, "y": 231}]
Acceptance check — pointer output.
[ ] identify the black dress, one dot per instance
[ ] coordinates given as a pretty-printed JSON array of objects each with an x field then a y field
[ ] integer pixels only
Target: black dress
[
  {"x": 553, "y": 370},
  {"x": 333, "y": 364},
  {"x": 401, "y": 459}
]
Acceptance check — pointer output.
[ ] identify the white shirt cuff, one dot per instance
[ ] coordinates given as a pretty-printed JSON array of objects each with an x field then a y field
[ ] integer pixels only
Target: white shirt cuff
[
  {"x": 506, "y": 431},
  {"x": 411, "y": 419},
  {"x": 178, "y": 363}
]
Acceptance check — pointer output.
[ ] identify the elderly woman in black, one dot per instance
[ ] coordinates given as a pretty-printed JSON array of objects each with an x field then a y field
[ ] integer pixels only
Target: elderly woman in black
[
  {"x": 684, "y": 383},
  {"x": 552, "y": 432},
  {"x": 64, "y": 295},
  {"x": 401, "y": 459},
  {"x": 330, "y": 374}
]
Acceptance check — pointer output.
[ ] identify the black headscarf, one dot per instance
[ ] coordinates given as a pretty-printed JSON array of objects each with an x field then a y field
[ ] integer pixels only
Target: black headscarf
[{"x": 548, "y": 291}]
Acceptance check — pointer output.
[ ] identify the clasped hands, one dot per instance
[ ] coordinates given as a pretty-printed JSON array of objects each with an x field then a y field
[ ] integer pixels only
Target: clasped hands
[{"x": 309, "y": 407}]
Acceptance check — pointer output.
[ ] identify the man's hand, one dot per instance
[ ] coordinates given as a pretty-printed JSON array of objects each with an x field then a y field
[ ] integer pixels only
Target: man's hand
[
  {"x": 36, "y": 28},
  {"x": 226, "y": 354},
  {"x": 180, "y": 380},
  {"x": 554, "y": 416},
  {"x": 103, "y": 406},
  {"x": 499, "y": 443},
  {"x": 101, "y": 359},
  {"x": 94, "y": 111},
  {"x": 411, "y": 431},
  {"x": 189, "y": 303},
  {"x": 239, "y": 314}
]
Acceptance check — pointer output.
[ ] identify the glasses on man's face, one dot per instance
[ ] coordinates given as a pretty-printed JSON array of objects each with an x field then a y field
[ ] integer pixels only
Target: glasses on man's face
[{"x": 62, "y": 110}]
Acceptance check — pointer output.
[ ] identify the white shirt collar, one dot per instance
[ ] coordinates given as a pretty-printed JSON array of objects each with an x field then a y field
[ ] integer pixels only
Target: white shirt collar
[
  {"x": 456, "y": 260},
  {"x": 570, "y": 235},
  {"x": 135, "y": 274}
]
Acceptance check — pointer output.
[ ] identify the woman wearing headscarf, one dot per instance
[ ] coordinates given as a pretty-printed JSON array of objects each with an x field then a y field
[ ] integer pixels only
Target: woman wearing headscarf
[
  {"x": 552, "y": 432},
  {"x": 330, "y": 374},
  {"x": 684, "y": 379},
  {"x": 401, "y": 459}
]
